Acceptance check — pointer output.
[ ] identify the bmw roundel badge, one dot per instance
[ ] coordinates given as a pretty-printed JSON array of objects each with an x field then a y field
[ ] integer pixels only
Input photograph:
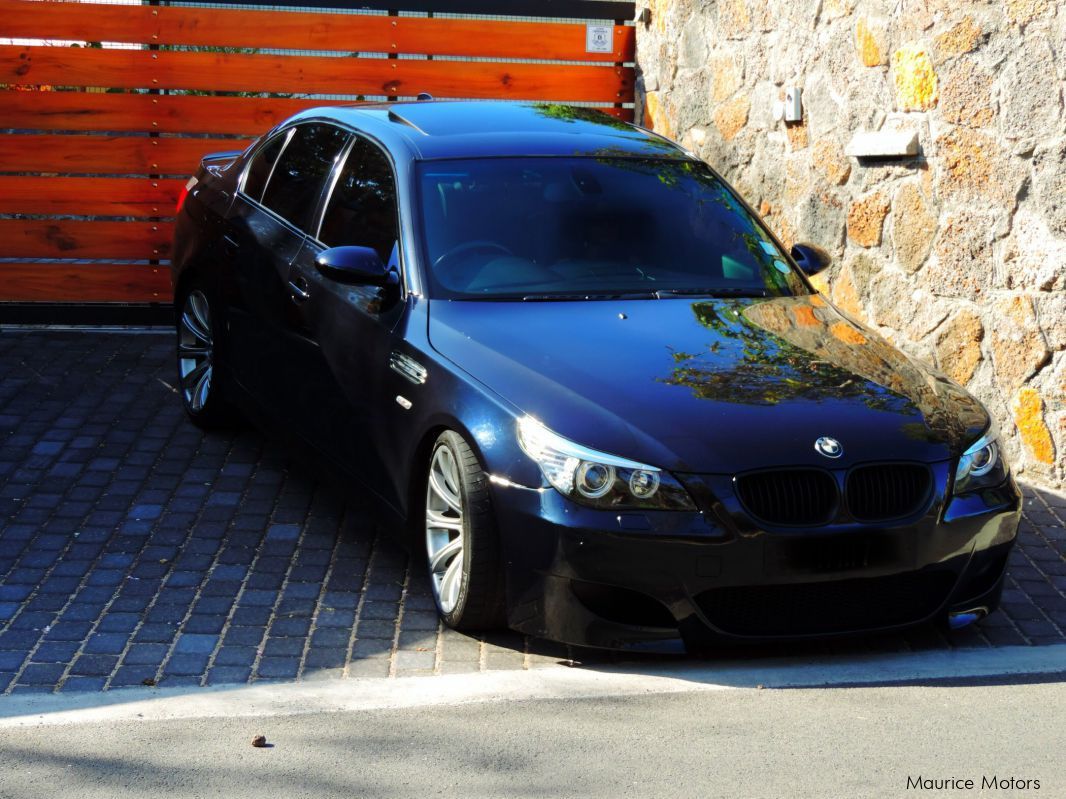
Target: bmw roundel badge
[{"x": 829, "y": 447}]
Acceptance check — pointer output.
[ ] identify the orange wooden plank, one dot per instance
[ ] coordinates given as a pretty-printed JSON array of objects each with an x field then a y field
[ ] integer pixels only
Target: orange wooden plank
[
  {"x": 36, "y": 282},
  {"x": 115, "y": 155},
  {"x": 232, "y": 72},
  {"x": 25, "y": 238},
  {"x": 306, "y": 31},
  {"x": 88, "y": 111},
  {"x": 625, "y": 114},
  {"x": 138, "y": 197}
]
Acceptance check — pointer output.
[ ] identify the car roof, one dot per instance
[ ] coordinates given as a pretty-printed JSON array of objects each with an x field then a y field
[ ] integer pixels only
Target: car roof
[{"x": 466, "y": 129}]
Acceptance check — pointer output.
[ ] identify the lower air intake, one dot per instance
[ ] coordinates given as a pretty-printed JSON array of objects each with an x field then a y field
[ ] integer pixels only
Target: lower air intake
[{"x": 827, "y": 607}]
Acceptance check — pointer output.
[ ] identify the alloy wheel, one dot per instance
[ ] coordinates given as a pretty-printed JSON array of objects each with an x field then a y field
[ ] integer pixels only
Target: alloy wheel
[
  {"x": 444, "y": 528},
  {"x": 195, "y": 351}
]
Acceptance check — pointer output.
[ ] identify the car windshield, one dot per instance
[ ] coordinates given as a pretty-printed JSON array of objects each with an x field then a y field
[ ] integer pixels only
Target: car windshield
[{"x": 575, "y": 228}]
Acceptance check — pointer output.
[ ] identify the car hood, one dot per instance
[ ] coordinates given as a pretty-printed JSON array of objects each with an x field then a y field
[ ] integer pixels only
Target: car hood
[{"x": 709, "y": 386}]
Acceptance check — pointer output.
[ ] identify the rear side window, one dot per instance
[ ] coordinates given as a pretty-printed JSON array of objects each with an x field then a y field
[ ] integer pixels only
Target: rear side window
[
  {"x": 294, "y": 187},
  {"x": 362, "y": 208},
  {"x": 262, "y": 165}
]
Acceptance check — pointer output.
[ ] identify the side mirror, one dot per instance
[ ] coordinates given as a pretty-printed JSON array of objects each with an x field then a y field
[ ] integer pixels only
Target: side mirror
[
  {"x": 356, "y": 266},
  {"x": 810, "y": 259}
]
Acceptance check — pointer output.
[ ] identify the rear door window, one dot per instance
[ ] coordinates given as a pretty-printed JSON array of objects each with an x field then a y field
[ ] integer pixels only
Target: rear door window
[
  {"x": 293, "y": 189},
  {"x": 262, "y": 165}
]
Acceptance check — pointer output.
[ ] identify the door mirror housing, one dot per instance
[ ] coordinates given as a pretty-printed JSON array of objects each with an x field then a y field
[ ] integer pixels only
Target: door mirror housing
[
  {"x": 354, "y": 266},
  {"x": 810, "y": 259}
]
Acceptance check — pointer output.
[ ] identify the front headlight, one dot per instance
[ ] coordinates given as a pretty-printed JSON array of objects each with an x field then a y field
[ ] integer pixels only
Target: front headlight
[
  {"x": 596, "y": 478},
  {"x": 982, "y": 464}
]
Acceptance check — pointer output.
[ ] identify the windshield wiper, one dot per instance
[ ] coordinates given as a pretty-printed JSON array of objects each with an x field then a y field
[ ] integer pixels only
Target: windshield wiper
[
  {"x": 630, "y": 295},
  {"x": 721, "y": 291},
  {"x": 551, "y": 297}
]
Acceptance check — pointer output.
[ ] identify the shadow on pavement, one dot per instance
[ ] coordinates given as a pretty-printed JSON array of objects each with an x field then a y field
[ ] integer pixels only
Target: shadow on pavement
[{"x": 136, "y": 549}]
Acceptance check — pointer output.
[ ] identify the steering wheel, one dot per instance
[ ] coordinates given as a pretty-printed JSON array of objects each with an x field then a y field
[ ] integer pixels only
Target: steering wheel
[{"x": 482, "y": 245}]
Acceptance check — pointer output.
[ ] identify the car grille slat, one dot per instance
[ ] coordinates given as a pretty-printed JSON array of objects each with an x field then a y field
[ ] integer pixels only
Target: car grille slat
[
  {"x": 837, "y": 606},
  {"x": 887, "y": 491},
  {"x": 788, "y": 497}
]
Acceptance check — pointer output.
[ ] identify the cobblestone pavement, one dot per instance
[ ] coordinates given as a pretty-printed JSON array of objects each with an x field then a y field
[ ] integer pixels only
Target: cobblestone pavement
[{"x": 136, "y": 549}]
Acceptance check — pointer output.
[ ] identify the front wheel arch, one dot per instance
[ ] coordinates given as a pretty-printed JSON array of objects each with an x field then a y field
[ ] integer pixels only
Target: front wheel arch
[
  {"x": 215, "y": 411},
  {"x": 479, "y": 600}
]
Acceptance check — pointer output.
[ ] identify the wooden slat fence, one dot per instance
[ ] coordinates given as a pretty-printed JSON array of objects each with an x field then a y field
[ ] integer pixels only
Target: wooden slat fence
[{"x": 96, "y": 141}]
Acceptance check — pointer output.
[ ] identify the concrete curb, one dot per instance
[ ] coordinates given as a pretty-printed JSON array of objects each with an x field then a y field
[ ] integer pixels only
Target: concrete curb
[{"x": 278, "y": 699}]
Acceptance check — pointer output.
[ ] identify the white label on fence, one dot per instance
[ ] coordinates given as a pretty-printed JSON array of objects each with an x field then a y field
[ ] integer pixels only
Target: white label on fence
[{"x": 599, "y": 38}]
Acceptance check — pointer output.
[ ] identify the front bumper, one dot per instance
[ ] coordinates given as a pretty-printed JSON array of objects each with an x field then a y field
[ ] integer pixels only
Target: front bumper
[{"x": 669, "y": 581}]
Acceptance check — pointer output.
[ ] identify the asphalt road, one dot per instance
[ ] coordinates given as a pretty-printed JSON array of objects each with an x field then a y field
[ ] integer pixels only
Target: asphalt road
[{"x": 700, "y": 741}]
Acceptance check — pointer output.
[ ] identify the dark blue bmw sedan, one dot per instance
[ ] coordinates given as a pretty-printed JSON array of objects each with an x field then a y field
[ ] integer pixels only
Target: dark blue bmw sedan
[{"x": 600, "y": 398}]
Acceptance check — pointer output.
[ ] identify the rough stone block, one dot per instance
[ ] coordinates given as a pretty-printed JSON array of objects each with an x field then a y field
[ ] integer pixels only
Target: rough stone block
[
  {"x": 958, "y": 346},
  {"x": 866, "y": 217},
  {"x": 1018, "y": 348},
  {"x": 914, "y": 226},
  {"x": 1028, "y": 410},
  {"x": 914, "y": 78},
  {"x": 730, "y": 117}
]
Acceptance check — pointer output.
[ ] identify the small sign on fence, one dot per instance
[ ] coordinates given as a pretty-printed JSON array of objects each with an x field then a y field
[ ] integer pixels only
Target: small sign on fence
[{"x": 599, "y": 38}]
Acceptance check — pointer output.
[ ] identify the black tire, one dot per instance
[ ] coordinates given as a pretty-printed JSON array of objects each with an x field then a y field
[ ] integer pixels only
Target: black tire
[
  {"x": 200, "y": 328},
  {"x": 479, "y": 604}
]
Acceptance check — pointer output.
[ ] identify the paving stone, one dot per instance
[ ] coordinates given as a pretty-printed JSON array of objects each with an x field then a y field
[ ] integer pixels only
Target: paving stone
[
  {"x": 146, "y": 654},
  {"x": 94, "y": 665},
  {"x": 196, "y": 643},
  {"x": 229, "y": 675},
  {"x": 376, "y": 628},
  {"x": 22, "y": 688},
  {"x": 205, "y": 623},
  {"x": 155, "y": 633},
  {"x": 415, "y": 639},
  {"x": 126, "y": 676},
  {"x": 106, "y": 643},
  {"x": 284, "y": 667},
  {"x": 410, "y": 660},
  {"x": 420, "y": 620},
  {"x": 77, "y": 683},
  {"x": 69, "y": 631},
  {"x": 11, "y": 661},
  {"x": 369, "y": 667},
  {"x": 339, "y": 618},
  {"x": 372, "y": 647},
  {"x": 180, "y": 681},
  {"x": 236, "y": 656},
  {"x": 325, "y": 659},
  {"x": 18, "y": 640},
  {"x": 293, "y": 647},
  {"x": 290, "y": 627},
  {"x": 214, "y": 605},
  {"x": 42, "y": 673},
  {"x": 185, "y": 665},
  {"x": 252, "y": 616}
]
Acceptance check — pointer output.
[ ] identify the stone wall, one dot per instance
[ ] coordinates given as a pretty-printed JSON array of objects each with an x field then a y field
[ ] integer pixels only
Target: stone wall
[{"x": 958, "y": 255}]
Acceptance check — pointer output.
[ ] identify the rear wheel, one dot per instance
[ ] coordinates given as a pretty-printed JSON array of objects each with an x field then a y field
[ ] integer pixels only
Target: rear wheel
[
  {"x": 200, "y": 370},
  {"x": 462, "y": 545}
]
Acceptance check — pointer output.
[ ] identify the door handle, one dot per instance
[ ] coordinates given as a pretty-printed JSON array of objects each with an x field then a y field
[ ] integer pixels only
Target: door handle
[{"x": 298, "y": 287}]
